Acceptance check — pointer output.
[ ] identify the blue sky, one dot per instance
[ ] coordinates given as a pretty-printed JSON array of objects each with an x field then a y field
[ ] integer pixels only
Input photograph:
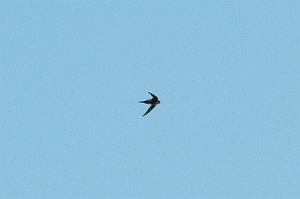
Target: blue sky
[{"x": 227, "y": 74}]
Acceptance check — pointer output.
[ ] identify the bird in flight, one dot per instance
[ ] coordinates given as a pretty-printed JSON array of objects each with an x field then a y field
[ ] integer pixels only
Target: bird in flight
[{"x": 154, "y": 101}]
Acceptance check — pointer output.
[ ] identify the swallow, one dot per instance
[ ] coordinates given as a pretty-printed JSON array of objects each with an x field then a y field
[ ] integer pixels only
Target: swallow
[{"x": 154, "y": 101}]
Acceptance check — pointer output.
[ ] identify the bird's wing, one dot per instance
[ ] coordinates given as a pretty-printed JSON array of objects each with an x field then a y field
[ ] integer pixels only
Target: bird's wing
[
  {"x": 154, "y": 96},
  {"x": 149, "y": 109}
]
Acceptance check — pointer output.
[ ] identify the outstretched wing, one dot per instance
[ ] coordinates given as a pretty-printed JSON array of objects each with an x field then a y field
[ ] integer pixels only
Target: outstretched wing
[
  {"x": 154, "y": 96},
  {"x": 149, "y": 109}
]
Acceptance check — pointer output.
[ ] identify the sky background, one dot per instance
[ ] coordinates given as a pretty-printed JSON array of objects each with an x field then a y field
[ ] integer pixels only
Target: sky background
[{"x": 227, "y": 74}]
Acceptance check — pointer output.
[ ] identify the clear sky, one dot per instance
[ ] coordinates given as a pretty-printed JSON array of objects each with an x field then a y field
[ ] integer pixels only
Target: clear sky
[{"x": 227, "y": 74}]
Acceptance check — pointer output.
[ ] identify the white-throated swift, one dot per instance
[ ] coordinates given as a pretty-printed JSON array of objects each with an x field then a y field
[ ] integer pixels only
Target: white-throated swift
[{"x": 154, "y": 101}]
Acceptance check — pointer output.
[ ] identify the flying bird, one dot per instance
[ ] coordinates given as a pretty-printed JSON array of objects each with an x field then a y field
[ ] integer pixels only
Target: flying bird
[{"x": 154, "y": 101}]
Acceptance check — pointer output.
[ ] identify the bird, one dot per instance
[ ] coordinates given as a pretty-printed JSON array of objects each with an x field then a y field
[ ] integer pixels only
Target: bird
[{"x": 154, "y": 101}]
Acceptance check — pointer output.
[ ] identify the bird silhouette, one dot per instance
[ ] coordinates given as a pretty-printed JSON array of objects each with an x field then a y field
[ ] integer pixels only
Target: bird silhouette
[{"x": 153, "y": 102}]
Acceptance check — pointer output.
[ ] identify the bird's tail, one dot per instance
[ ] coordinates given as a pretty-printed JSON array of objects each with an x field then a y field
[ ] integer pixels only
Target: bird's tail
[{"x": 142, "y": 101}]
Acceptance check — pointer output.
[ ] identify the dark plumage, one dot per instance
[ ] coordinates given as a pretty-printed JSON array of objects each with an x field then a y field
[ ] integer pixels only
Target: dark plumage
[{"x": 154, "y": 101}]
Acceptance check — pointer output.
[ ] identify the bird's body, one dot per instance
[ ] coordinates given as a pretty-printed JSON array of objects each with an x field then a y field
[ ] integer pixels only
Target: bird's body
[{"x": 154, "y": 101}]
